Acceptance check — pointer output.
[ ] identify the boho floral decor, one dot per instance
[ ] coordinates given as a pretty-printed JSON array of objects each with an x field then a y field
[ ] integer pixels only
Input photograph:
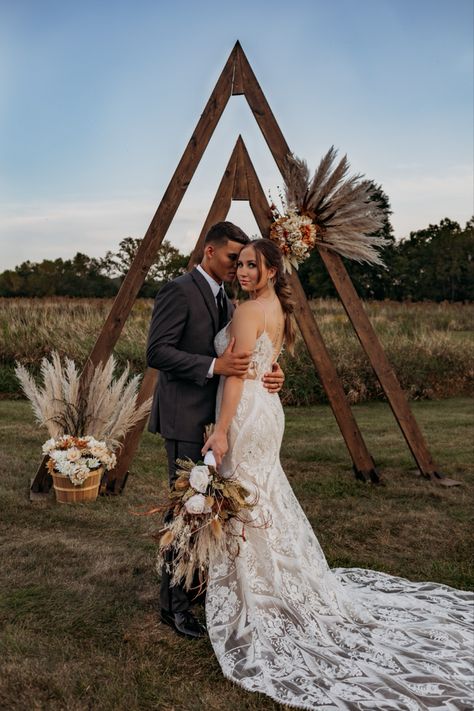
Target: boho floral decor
[
  {"x": 206, "y": 511},
  {"x": 295, "y": 234},
  {"x": 337, "y": 212},
  {"x": 77, "y": 457},
  {"x": 86, "y": 422}
]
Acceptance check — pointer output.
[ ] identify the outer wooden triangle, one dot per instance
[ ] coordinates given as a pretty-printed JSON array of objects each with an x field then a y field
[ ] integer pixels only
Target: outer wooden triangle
[{"x": 237, "y": 78}]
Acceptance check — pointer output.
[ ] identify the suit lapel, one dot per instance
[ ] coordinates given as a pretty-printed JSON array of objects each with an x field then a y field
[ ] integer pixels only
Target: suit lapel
[{"x": 207, "y": 295}]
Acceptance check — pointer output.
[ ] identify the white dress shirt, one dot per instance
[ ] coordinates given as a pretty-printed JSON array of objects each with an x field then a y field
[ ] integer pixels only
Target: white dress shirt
[{"x": 215, "y": 288}]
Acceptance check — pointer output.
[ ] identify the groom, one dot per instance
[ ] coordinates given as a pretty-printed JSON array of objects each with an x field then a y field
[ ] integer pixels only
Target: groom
[{"x": 188, "y": 313}]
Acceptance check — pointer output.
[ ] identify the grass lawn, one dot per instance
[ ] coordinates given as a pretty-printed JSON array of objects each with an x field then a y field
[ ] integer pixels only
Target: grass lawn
[{"x": 78, "y": 588}]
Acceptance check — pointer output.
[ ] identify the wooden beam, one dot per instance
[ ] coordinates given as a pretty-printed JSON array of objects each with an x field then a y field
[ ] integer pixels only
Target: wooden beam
[
  {"x": 240, "y": 190},
  {"x": 220, "y": 206},
  {"x": 381, "y": 365},
  {"x": 155, "y": 234},
  {"x": 217, "y": 212},
  {"x": 237, "y": 81},
  {"x": 350, "y": 300},
  {"x": 165, "y": 213},
  {"x": 114, "y": 481},
  {"x": 262, "y": 112},
  {"x": 364, "y": 466}
]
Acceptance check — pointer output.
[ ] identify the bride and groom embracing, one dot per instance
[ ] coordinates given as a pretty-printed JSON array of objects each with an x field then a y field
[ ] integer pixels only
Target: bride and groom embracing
[
  {"x": 189, "y": 312},
  {"x": 279, "y": 620}
]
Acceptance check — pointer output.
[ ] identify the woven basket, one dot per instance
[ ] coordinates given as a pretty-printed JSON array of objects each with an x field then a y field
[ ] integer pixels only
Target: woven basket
[{"x": 69, "y": 493}]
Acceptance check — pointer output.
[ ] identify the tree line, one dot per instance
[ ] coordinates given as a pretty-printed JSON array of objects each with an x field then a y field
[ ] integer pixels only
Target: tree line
[
  {"x": 436, "y": 264},
  {"x": 433, "y": 264},
  {"x": 91, "y": 276}
]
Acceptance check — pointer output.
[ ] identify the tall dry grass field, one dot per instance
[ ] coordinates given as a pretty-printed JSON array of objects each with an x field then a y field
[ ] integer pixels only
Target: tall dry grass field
[{"x": 430, "y": 346}]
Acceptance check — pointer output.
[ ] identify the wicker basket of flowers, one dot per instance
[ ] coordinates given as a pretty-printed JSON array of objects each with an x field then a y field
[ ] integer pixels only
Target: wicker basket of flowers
[{"x": 86, "y": 419}]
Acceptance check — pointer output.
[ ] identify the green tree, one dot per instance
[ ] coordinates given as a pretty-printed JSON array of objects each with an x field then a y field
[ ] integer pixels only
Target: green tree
[
  {"x": 436, "y": 263},
  {"x": 168, "y": 264},
  {"x": 79, "y": 276}
]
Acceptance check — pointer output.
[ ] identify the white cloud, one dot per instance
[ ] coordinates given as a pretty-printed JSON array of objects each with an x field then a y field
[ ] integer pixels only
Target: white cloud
[
  {"x": 419, "y": 199},
  {"x": 48, "y": 229}
]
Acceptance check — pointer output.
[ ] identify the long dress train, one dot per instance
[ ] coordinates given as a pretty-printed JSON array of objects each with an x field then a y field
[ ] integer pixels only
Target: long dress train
[{"x": 284, "y": 624}]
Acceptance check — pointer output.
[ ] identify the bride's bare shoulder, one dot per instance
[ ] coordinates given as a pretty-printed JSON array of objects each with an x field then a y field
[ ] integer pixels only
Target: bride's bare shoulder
[
  {"x": 248, "y": 313},
  {"x": 248, "y": 309}
]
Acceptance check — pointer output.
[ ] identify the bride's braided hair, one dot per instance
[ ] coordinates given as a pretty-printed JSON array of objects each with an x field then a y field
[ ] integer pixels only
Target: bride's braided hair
[{"x": 268, "y": 250}]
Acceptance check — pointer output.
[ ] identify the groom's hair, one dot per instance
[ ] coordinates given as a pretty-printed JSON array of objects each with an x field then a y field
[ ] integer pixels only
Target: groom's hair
[{"x": 222, "y": 232}]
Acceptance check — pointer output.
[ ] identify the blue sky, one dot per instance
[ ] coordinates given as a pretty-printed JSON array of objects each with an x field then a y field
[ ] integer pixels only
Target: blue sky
[{"x": 99, "y": 99}]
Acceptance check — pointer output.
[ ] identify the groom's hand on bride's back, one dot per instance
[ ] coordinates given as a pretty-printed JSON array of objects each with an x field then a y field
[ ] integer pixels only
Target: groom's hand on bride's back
[{"x": 232, "y": 363}]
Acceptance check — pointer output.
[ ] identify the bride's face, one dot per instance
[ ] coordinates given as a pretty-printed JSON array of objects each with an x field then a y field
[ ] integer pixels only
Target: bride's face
[{"x": 250, "y": 277}]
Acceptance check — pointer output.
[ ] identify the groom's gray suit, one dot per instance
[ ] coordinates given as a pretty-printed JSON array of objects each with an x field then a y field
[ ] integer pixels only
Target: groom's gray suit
[{"x": 181, "y": 346}]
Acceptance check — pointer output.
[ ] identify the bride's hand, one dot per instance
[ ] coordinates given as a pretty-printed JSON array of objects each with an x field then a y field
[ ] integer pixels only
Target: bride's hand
[{"x": 219, "y": 445}]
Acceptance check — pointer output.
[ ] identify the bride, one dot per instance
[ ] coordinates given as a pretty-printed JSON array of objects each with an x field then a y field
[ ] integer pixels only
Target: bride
[{"x": 280, "y": 621}]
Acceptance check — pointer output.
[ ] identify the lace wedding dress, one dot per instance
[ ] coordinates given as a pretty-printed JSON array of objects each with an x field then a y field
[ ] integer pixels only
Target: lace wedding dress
[{"x": 284, "y": 624}]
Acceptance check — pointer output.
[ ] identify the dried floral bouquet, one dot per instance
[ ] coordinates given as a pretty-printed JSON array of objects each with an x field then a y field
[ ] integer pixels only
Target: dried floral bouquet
[
  {"x": 329, "y": 209},
  {"x": 206, "y": 512}
]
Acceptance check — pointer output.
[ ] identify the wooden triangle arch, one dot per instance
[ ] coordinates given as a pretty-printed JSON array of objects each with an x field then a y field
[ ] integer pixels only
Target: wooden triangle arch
[{"x": 240, "y": 182}]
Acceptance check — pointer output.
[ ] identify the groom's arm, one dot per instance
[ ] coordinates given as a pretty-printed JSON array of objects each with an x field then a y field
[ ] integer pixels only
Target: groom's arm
[{"x": 166, "y": 329}]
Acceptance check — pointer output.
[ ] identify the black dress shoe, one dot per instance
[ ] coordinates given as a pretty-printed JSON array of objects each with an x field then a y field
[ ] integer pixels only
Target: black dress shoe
[{"x": 184, "y": 624}]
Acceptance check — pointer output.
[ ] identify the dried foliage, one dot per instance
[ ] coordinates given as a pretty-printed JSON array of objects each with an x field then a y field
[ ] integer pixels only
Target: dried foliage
[
  {"x": 344, "y": 209},
  {"x": 430, "y": 346},
  {"x": 206, "y": 514},
  {"x": 101, "y": 406}
]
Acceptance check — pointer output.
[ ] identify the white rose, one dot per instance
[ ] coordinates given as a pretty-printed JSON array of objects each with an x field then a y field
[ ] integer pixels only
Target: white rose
[
  {"x": 58, "y": 455},
  {"x": 197, "y": 504},
  {"x": 73, "y": 454},
  {"x": 79, "y": 476},
  {"x": 49, "y": 445},
  {"x": 98, "y": 450},
  {"x": 65, "y": 467},
  {"x": 199, "y": 478},
  {"x": 108, "y": 460}
]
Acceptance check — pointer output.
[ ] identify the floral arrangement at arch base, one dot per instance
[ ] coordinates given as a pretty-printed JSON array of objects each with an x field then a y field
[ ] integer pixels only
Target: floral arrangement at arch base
[
  {"x": 77, "y": 457},
  {"x": 86, "y": 422},
  {"x": 329, "y": 209}
]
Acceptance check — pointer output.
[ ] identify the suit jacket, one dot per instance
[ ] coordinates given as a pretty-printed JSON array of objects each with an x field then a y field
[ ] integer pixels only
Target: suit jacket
[{"x": 181, "y": 346}]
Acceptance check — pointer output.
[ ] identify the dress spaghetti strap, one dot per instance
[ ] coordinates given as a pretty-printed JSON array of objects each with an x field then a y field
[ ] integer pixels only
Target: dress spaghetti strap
[
  {"x": 275, "y": 339},
  {"x": 256, "y": 301}
]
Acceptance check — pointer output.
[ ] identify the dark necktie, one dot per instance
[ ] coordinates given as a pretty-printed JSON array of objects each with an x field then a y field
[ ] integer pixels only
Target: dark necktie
[{"x": 221, "y": 308}]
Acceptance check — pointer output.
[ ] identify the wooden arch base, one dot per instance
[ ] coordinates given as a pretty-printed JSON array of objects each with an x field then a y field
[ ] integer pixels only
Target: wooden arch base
[{"x": 240, "y": 182}]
